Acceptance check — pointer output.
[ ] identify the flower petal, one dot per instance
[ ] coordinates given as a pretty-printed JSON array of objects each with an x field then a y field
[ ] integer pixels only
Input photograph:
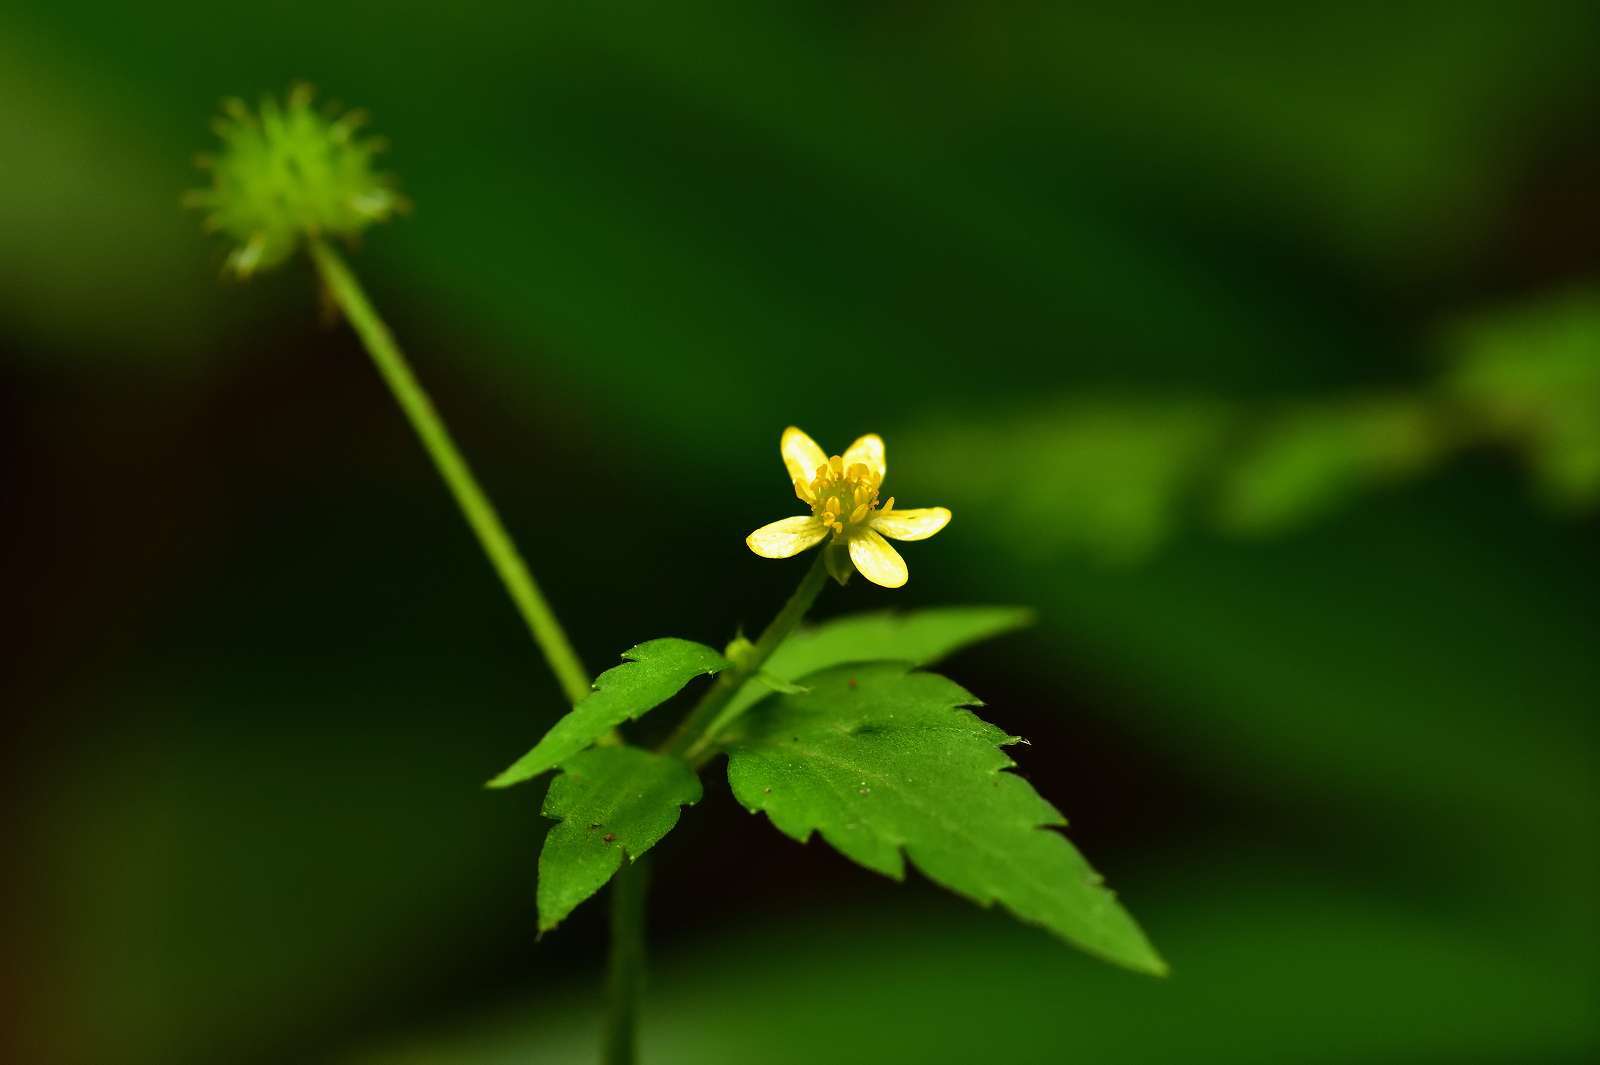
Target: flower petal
[
  {"x": 867, "y": 450},
  {"x": 911, "y": 524},
  {"x": 801, "y": 455},
  {"x": 786, "y": 537},
  {"x": 877, "y": 561}
]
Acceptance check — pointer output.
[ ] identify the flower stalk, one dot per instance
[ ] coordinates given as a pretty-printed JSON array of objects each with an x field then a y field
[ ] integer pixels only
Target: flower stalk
[
  {"x": 694, "y": 737},
  {"x": 625, "y": 980},
  {"x": 475, "y": 506}
]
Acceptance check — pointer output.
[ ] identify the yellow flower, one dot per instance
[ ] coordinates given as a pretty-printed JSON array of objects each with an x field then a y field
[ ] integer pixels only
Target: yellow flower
[{"x": 842, "y": 492}]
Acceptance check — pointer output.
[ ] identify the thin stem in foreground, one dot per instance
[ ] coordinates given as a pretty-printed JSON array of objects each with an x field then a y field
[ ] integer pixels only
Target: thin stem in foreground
[
  {"x": 693, "y": 738},
  {"x": 474, "y": 504}
]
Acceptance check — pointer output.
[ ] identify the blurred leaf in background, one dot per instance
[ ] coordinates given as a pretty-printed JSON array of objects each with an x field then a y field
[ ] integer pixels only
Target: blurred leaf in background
[
  {"x": 1123, "y": 475},
  {"x": 1533, "y": 374}
]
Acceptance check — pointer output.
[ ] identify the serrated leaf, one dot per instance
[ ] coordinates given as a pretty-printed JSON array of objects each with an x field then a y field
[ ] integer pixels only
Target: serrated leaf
[
  {"x": 886, "y": 763},
  {"x": 654, "y": 672},
  {"x": 612, "y": 803},
  {"x": 921, "y": 638}
]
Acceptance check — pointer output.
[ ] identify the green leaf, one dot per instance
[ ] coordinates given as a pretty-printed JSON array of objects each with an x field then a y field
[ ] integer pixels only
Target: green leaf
[
  {"x": 920, "y": 638},
  {"x": 1309, "y": 461},
  {"x": 1121, "y": 469},
  {"x": 1532, "y": 372},
  {"x": 883, "y": 761},
  {"x": 655, "y": 671},
  {"x": 611, "y": 802}
]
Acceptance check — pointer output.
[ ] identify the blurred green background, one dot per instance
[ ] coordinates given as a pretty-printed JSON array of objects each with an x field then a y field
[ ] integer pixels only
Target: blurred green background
[{"x": 1155, "y": 301}]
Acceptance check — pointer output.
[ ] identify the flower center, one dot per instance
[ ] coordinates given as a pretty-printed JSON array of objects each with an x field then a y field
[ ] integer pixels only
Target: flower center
[{"x": 840, "y": 497}]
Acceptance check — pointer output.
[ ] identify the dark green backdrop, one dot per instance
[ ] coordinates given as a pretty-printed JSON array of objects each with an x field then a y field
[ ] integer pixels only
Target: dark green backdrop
[{"x": 1345, "y": 774}]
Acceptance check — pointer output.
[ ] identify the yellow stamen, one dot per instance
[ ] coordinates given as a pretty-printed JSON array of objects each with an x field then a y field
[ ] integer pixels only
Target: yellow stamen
[{"x": 841, "y": 497}]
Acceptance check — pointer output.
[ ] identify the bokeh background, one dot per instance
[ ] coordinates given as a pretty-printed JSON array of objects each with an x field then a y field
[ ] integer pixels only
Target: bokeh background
[{"x": 1251, "y": 348}]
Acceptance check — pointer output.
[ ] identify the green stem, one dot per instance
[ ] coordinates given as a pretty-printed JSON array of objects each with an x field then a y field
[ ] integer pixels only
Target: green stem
[
  {"x": 691, "y": 741},
  {"x": 626, "y": 981},
  {"x": 479, "y": 512},
  {"x": 693, "y": 738},
  {"x": 628, "y": 893}
]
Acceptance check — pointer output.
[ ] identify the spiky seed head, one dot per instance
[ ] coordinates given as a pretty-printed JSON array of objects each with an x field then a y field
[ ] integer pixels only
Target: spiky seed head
[{"x": 287, "y": 172}]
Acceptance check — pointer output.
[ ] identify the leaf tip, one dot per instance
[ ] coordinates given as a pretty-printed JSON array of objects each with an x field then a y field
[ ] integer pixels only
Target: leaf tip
[
  {"x": 517, "y": 774},
  {"x": 1148, "y": 963}
]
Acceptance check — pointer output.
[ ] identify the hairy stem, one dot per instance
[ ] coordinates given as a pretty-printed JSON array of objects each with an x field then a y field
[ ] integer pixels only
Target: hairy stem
[
  {"x": 475, "y": 506},
  {"x": 693, "y": 738}
]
